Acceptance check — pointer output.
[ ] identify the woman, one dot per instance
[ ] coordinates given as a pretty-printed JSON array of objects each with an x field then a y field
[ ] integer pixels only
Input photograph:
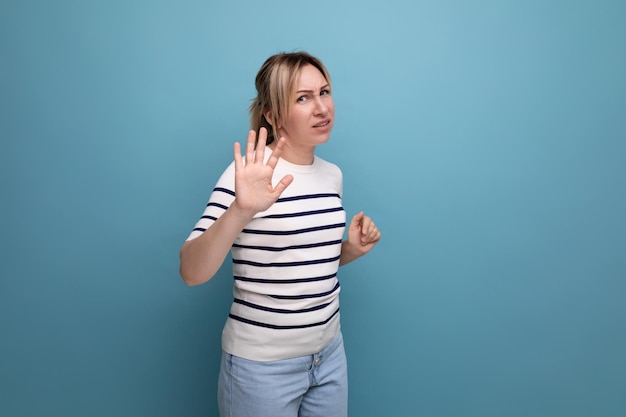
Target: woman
[{"x": 278, "y": 209}]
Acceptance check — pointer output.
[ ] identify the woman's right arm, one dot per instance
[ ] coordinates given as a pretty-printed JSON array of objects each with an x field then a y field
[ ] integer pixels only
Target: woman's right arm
[{"x": 200, "y": 258}]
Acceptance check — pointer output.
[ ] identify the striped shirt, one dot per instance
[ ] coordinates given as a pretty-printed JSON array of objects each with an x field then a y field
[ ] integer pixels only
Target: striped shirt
[{"x": 285, "y": 262}]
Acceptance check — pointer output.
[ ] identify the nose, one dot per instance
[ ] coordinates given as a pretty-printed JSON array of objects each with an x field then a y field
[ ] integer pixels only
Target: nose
[{"x": 321, "y": 107}]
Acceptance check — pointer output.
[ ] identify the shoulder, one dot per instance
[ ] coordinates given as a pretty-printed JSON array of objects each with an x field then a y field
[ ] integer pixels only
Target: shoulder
[
  {"x": 227, "y": 179},
  {"x": 327, "y": 167},
  {"x": 329, "y": 173}
]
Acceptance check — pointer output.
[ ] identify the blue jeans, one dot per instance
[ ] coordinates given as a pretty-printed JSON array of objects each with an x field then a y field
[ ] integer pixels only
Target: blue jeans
[{"x": 308, "y": 386}]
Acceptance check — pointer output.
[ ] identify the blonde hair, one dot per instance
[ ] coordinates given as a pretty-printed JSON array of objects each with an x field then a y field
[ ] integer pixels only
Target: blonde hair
[{"x": 275, "y": 85}]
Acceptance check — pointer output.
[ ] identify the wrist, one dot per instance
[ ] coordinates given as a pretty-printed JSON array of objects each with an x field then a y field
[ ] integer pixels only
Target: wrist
[
  {"x": 349, "y": 252},
  {"x": 245, "y": 215}
]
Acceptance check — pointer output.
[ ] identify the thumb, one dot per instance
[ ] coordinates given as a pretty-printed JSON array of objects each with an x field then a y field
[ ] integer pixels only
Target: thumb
[
  {"x": 283, "y": 184},
  {"x": 356, "y": 220}
]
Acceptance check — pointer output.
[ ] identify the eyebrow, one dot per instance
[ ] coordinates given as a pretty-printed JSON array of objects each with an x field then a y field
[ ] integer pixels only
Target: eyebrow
[{"x": 325, "y": 86}]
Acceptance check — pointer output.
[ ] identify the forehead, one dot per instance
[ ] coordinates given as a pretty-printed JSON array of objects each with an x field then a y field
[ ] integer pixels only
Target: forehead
[{"x": 310, "y": 78}]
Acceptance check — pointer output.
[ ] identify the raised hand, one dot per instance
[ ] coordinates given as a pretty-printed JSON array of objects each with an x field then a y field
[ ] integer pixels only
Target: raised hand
[
  {"x": 200, "y": 258},
  {"x": 253, "y": 179}
]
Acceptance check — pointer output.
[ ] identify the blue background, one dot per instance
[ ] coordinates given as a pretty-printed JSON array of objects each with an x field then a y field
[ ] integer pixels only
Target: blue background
[{"x": 485, "y": 138}]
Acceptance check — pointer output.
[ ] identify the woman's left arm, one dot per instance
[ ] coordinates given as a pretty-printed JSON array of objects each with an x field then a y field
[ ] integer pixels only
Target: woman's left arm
[{"x": 363, "y": 235}]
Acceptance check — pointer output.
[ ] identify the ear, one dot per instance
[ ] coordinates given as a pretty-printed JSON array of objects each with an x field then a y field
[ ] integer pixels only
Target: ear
[{"x": 268, "y": 117}]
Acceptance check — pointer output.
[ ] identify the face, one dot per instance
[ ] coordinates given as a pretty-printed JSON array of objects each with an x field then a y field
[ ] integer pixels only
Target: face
[{"x": 312, "y": 112}]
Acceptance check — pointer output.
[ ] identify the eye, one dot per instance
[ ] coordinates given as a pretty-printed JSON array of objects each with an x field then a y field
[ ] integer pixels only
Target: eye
[
  {"x": 325, "y": 92},
  {"x": 302, "y": 99}
]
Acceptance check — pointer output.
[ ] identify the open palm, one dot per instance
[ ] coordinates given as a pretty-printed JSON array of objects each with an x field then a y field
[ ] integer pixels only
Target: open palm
[{"x": 254, "y": 191}]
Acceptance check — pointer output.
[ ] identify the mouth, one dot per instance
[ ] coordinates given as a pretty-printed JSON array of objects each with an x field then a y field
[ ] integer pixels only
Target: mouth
[{"x": 322, "y": 124}]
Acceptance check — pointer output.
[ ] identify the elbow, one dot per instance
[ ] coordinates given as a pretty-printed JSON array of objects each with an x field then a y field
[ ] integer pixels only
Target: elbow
[
  {"x": 192, "y": 279},
  {"x": 191, "y": 271},
  {"x": 188, "y": 279}
]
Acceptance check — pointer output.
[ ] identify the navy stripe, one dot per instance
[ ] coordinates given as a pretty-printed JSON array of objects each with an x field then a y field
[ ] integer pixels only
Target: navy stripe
[
  {"x": 285, "y": 281},
  {"x": 307, "y": 196},
  {"x": 281, "y": 264},
  {"x": 199, "y": 229},
  {"x": 293, "y": 232},
  {"x": 303, "y": 297},
  {"x": 280, "y": 310},
  {"x": 217, "y": 205},
  {"x": 224, "y": 190},
  {"x": 209, "y": 217},
  {"x": 303, "y": 213},
  {"x": 275, "y": 249},
  {"x": 273, "y": 326}
]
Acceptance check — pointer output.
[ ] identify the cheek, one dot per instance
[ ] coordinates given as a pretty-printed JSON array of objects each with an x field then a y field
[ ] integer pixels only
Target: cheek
[
  {"x": 299, "y": 119},
  {"x": 294, "y": 121}
]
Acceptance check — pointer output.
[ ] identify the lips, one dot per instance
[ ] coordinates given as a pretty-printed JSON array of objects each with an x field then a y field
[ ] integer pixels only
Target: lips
[{"x": 322, "y": 124}]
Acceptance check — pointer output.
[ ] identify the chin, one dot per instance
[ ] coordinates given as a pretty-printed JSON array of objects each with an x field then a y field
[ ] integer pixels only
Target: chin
[{"x": 323, "y": 139}]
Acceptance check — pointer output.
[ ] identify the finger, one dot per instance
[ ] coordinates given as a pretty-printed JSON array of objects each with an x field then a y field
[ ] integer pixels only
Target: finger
[
  {"x": 237, "y": 155},
  {"x": 282, "y": 184},
  {"x": 369, "y": 230},
  {"x": 273, "y": 159},
  {"x": 366, "y": 225},
  {"x": 373, "y": 235},
  {"x": 260, "y": 145},
  {"x": 250, "y": 147},
  {"x": 372, "y": 229},
  {"x": 356, "y": 220}
]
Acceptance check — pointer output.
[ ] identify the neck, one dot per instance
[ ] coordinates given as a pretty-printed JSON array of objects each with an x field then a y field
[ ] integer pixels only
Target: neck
[{"x": 296, "y": 156}]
